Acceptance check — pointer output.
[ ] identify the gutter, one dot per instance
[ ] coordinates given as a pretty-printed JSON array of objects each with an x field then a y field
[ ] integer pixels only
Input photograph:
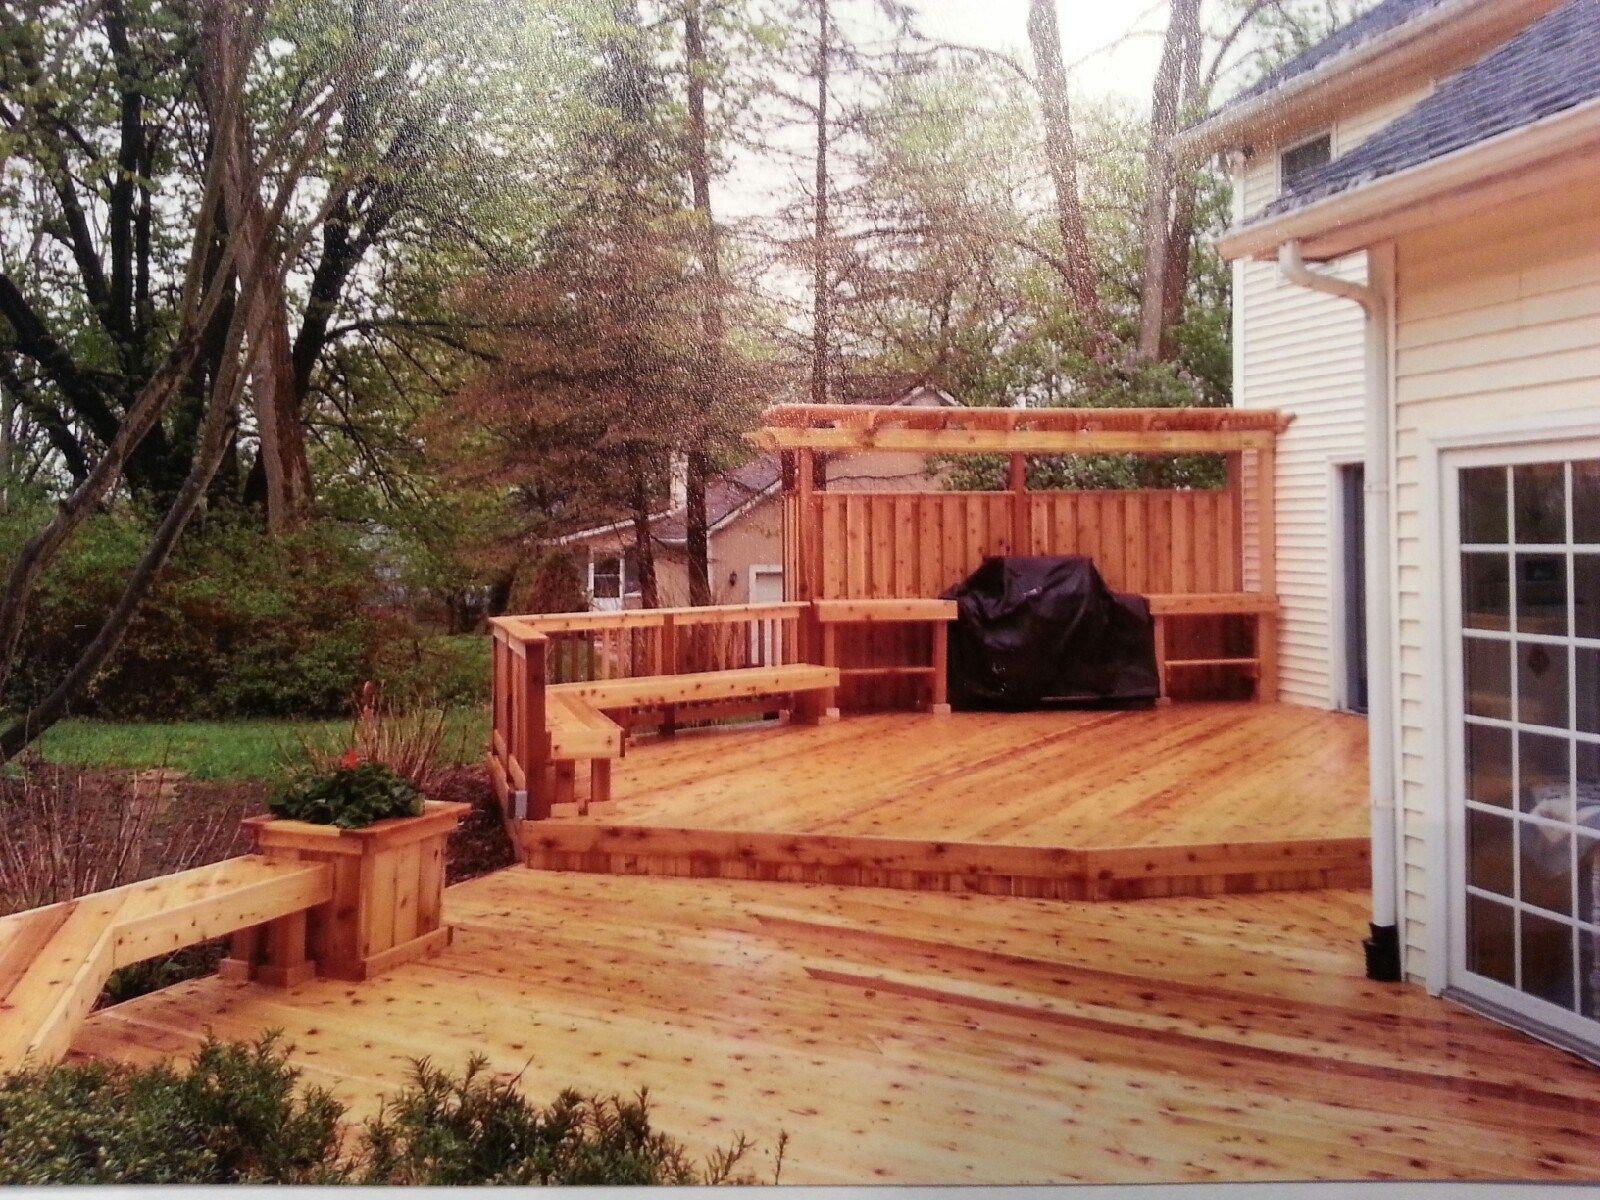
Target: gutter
[
  {"x": 1352, "y": 73},
  {"x": 1383, "y": 947},
  {"x": 1562, "y": 134}
]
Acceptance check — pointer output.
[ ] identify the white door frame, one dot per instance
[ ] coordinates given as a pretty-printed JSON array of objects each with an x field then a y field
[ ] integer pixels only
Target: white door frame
[
  {"x": 1557, "y": 437},
  {"x": 1338, "y": 613}
]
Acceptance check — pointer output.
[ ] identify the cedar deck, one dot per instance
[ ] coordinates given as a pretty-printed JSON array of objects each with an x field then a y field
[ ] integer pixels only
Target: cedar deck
[
  {"x": 1189, "y": 799},
  {"x": 916, "y": 1038}
]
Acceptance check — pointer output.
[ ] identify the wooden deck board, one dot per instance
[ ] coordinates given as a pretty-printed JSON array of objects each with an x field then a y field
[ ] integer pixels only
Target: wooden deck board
[
  {"x": 1169, "y": 776},
  {"x": 908, "y": 1037},
  {"x": 1191, "y": 799}
]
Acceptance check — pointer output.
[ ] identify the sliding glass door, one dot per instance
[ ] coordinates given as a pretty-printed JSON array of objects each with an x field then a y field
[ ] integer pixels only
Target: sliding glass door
[{"x": 1523, "y": 598}]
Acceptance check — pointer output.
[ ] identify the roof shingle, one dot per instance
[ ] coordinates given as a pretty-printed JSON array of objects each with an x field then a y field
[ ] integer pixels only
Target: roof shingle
[{"x": 1551, "y": 66}]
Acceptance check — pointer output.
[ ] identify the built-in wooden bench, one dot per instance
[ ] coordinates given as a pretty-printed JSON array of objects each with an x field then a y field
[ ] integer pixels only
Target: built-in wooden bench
[
  {"x": 586, "y": 721},
  {"x": 1260, "y": 664},
  {"x": 55, "y": 960}
]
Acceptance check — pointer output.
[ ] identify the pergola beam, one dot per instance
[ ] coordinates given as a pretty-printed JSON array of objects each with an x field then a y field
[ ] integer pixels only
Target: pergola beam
[
  {"x": 1017, "y": 441},
  {"x": 841, "y": 428}
]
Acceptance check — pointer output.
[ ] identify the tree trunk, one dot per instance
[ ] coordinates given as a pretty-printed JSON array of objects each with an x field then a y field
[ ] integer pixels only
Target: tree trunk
[
  {"x": 821, "y": 304},
  {"x": 1062, "y": 154},
  {"x": 1159, "y": 177},
  {"x": 697, "y": 535},
  {"x": 279, "y": 429},
  {"x": 1180, "y": 237}
]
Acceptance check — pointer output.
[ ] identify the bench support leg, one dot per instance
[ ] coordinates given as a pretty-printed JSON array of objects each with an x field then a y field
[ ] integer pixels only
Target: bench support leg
[
  {"x": 563, "y": 782},
  {"x": 599, "y": 784}
]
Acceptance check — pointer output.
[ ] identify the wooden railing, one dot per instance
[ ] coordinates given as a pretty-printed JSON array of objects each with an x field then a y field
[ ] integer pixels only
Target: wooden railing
[{"x": 589, "y": 647}]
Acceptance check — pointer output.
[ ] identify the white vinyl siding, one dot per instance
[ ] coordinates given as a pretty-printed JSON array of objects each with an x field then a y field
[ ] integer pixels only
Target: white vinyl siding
[
  {"x": 1497, "y": 319},
  {"x": 1301, "y": 352}
]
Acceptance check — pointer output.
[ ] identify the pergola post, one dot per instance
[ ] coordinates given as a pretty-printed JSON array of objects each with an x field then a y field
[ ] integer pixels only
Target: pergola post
[{"x": 1021, "y": 524}]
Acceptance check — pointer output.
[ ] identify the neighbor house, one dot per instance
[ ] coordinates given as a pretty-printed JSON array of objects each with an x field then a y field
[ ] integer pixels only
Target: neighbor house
[
  {"x": 744, "y": 525},
  {"x": 1416, "y": 249}
]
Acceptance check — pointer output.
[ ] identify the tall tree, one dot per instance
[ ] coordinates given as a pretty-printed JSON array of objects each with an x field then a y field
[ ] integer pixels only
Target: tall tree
[{"x": 1077, "y": 264}]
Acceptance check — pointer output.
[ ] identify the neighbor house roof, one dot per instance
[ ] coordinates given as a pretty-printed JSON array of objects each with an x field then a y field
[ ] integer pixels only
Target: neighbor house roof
[
  {"x": 731, "y": 495},
  {"x": 1551, "y": 66}
]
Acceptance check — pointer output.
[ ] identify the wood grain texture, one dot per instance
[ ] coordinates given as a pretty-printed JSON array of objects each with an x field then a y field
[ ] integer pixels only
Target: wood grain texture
[
  {"x": 1193, "y": 799},
  {"x": 912, "y": 1038}
]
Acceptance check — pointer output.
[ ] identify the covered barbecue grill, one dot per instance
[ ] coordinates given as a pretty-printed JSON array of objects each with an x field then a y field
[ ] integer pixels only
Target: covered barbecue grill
[{"x": 1046, "y": 629}]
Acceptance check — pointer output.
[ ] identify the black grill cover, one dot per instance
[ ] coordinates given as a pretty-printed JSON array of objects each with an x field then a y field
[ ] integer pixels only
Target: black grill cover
[{"x": 1041, "y": 629}]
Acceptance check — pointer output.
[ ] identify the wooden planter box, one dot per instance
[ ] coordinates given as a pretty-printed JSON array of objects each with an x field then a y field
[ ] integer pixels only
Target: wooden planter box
[{"x": 388, "y": 887}]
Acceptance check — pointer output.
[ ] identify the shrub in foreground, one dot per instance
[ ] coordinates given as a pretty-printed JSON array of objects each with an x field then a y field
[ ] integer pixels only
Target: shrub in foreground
[
  {"x": 237, "y": 1114},
  {"x": 233, "y": 1116}
]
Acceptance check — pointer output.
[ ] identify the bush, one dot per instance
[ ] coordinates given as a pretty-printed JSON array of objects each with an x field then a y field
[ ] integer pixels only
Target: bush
[
  {"x": 236, "y": 1115},
  {"x": 238, "y": 625},
  {"x": 458, "y": 1131},
  {"x": 353, "y": 796},
  {"x": 231, "y": 1117}
]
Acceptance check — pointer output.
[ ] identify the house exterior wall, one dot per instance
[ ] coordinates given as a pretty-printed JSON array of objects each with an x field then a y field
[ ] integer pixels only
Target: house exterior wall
[
  {"x": 1497, "y": 318},
  {"x": 1301, "y": 352}
]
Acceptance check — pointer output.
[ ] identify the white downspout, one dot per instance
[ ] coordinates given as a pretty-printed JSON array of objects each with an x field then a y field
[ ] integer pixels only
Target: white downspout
[{"x": 1383, "y": 949}]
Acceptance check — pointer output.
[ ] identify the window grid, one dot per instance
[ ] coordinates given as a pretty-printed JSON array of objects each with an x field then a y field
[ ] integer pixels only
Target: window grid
[{"x": 1523, "y": 823}]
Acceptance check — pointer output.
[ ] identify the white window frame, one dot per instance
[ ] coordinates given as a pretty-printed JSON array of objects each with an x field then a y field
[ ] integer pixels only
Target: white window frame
[
  {"x": 1300, "y": 144},
  {"x": 1558, "y": 437}
]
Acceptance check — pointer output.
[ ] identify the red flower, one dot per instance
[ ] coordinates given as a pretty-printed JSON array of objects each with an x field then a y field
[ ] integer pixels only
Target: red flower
[{"x": 351, "y": 760}]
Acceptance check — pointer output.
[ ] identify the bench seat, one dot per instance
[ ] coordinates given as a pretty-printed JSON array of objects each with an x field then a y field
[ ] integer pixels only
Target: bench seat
[
  {"x": 579, "y": 730},
  {"x": 651, "y": 691}
]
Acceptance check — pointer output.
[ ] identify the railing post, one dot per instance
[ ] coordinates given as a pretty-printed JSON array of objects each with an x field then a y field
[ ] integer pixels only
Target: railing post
[{"x": 535, "y": 734}]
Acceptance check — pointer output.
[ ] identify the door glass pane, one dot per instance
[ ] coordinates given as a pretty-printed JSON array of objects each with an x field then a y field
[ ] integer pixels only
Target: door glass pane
[
  {"x": 1546, "y": 857},
  {"x": 1586, "y": 502},
  {"x": 1589, "y": 973},
  {"x": 1545, "y": 775},
  {"x": 1586, "y": 595},
  {"x": 1491, "y": 940},
  {"x": 1588, "y": 780},
  {"x": 1483, "y": 505},
  {"x": 1485, "y": 591},
  {"x": 1542, "y": 593},
  {"x": 1587, "y": 669},
  {"x": 1542, "y": 684},
  {"x": 1487, "y": 669},
  {"x": 1547, "y": 959},
  {"x": 1489, "y": 845},
  {"x": 1539, "y": 493},
  {"x": 1489, "y": 765}
]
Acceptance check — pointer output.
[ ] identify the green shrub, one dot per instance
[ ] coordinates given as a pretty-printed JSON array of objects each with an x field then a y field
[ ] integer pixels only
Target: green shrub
[
  {"x": 232, "y": 1117},
  {"x": 238, "y": 625},
  {"x": 352, "y": 797},
  {"x": 237, "y": 1115},
  {"x": 456, "y": 1131}
]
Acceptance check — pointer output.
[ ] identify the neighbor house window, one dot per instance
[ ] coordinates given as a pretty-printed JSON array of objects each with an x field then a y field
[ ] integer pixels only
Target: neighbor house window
[
  {"x": 1299, "y": 160},
  {"x": 616, "y": 576}
]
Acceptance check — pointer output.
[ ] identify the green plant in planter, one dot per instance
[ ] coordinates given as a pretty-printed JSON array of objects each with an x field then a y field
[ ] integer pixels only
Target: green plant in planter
[{"x": 354, "y": 795}]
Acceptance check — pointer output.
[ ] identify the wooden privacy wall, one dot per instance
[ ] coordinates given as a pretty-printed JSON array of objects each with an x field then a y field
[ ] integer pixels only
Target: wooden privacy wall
[{"x": 901, "y": 545}]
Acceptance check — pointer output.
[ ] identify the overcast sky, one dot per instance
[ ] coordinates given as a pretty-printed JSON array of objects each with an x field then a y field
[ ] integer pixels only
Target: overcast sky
[{"x": 1095, "y": 35}]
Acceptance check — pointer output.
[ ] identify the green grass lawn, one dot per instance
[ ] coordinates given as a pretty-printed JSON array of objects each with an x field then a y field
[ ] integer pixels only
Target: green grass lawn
[{"x": 226, "y": 750}]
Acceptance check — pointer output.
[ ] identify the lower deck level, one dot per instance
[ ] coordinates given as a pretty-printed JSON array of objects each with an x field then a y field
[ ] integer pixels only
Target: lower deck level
[
  {"x": 916, "y": 1038},
  {"x": 1185, "y": 799}
]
